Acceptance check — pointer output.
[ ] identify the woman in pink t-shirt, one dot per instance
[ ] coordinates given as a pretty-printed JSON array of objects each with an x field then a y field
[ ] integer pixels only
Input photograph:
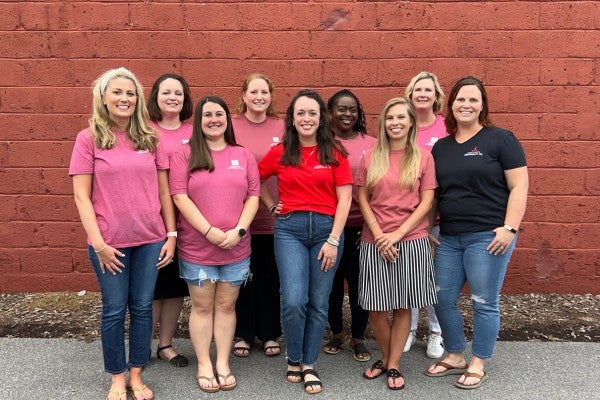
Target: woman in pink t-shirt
[
  {"x": 349, "y": 126},
  {"x": 170, "y": 105},
  {"x": 257, "y": 309},
  {"x": 215, "y": 186},
  {"x": 396, "y": 188},
  {"x": 426, "y": 94},
  {"x": 121, "y": 191}
]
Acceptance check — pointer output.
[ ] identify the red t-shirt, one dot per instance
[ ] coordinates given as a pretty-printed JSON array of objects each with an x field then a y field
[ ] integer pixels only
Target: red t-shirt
[{"x": 309, "y": 186}]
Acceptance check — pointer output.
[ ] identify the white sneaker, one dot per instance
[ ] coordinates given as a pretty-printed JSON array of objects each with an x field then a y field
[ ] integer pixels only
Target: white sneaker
[
  {"x": 412, "y": 336},
  {"x": 435, "y": 346}
]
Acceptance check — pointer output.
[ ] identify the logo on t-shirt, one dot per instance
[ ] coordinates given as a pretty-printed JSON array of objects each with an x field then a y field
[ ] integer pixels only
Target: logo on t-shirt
[
  {"x": 276, "y": 141},
  {"x": 432, "y": 141},
  {"x": 185, "y": 141},
  {"x": 473, "y": 152},
  {"x": 143, "y": 151},
  {"x": 319, "y": 166},
  {"x": 235, "y": 164}
]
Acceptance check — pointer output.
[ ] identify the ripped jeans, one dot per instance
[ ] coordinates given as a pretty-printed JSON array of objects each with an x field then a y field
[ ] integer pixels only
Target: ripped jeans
[
  {"x": 460, "y": 259},
  {"x": 195, "y": 274}
]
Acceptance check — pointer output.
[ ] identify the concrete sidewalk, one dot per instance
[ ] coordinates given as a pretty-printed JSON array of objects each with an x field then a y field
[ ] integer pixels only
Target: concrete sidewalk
[{"x": 36, "y": 369}]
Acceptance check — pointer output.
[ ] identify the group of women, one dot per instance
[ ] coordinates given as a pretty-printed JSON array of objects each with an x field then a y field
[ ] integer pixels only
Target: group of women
[{"x": 168, "y": 208}]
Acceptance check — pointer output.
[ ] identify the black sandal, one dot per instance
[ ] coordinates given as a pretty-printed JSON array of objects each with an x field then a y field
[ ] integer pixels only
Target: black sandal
[
  {"x": 378, "y": 365},
  {"x": 307, "y": 384},
  {"x": 359, "y": 350},
  {"x": 334, "y": 346},
  {"x": 177, "y": 361},
  {"x": 293, "y": 374},
  {"x": 395, "y": 374}
]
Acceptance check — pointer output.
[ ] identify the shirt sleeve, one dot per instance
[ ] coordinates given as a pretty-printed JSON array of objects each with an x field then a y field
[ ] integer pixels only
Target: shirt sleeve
[
  {"x": 512, "y": 154},
  {"x": 253, "y": 175},
  {"x": 179, "y": 174},
  {"x": 161, "y": 157},
  {"x": 361, "y": 177},
  {"x": 267, "y": 166},
  {"x": 428, "y": 180},
  {"x": 343, "y": 172},
  {"x": 82, "y": 158}
]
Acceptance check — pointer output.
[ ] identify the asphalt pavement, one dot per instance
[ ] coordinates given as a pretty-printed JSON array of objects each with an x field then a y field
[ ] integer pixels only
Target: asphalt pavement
[{"x": 65, "y": 369}]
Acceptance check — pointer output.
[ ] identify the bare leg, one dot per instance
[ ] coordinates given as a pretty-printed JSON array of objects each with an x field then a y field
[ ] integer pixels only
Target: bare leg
[
  {"x": 398, "y": 336},
  {"x": 201, "y": 329},
  {"x": 167, "y": 320},
  {"x": 382, "y": 330},
  {"x": 224, "y": 328}
]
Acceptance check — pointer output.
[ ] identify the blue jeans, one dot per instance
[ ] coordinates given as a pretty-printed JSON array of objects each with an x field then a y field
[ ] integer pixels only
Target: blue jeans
[
  {"x": 464, "y": 258},
  {"x": 304, "y": 287},
  {"x": 134, "y": 289}
]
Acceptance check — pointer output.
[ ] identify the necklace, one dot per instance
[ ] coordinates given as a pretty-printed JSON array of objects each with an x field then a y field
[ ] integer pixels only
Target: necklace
[{"x": 305, "y": 160}]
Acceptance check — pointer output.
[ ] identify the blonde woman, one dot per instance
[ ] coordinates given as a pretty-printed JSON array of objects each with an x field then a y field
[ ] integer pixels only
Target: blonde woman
[
  {"x": 121, "y": 191},
  {"x": 396, "y": 189},
  {"x": 427, "y": 96}
]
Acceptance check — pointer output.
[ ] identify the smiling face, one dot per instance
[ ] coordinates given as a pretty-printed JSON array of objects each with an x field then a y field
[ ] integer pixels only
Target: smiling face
[
  {"x": 423, "y": 95},
  {"x": 170, "y": 97},
  {"x": 467, "y": 105},
  {"x": 120, "y": 98},
  {"x": 214, "y": 122},
  {"x": 306, "y": 120},
  {"x": 344, "y": 115},
  {"x": 258, "y": 97},
  {"x": 397, "y": 125}
]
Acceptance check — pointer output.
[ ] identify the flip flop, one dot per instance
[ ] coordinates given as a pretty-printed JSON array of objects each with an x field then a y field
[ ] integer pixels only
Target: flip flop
[
  {"x": 231, "y": 386},
  {"x": 395, "y": 374},
  {"x": 207, "y": 389},
  {"x": 467, "y": 374},
  {"x": 450, "y": 370},
  {"x": 378, "y": 365},
  {"x": 273, "y": 350}
]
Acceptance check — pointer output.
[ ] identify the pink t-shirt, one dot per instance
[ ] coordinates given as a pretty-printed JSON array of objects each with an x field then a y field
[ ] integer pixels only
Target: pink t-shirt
[
  {"x": 428, "y": 135},
  {"x": 356, "y": 148},
  {"x": 124, "y": 189},
  {"x": 310, "y": 186},
  {"x": 392, "y": 205},
  {"x": 220, "y": 197},
  {"x": 172, "y": 139},
  {"x": 259, "y": 138}
]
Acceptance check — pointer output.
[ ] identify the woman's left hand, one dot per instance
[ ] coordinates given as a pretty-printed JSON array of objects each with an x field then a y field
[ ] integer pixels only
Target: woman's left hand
[
  {"x": 232, "y": 238},
  {"x": 385, "y": 244},
  {"x": 167, "y": 252},
  {"x": 328, "y": 256},
  {"x": 501, "y": 242}
]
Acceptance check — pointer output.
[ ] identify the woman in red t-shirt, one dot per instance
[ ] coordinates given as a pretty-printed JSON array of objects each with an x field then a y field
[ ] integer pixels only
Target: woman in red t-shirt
[{"x": 315, "y": 189}]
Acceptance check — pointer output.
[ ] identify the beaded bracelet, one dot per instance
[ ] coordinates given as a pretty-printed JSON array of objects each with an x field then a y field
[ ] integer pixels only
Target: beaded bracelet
[
  {"x": 99, "y": 251},
  {"x": 333, "y": 242}
]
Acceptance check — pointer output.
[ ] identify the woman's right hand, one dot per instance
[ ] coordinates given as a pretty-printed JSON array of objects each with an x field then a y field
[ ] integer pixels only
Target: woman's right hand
[
  {"x": 216, "y": 236},
  {"x": 109, "y": 261}
]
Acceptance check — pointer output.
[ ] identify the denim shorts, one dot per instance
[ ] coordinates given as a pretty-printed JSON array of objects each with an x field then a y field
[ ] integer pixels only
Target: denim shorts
[{"x": 195, "y": 274}]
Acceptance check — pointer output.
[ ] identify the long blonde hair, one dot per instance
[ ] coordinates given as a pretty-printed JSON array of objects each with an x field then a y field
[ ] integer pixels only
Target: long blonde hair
[
  {"x": 139, "y": 130},
  {"x": 380, "y": 158}
]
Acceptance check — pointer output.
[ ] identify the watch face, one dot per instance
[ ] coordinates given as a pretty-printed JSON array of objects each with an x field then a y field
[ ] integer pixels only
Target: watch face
[{"x": 242, "y": 232}]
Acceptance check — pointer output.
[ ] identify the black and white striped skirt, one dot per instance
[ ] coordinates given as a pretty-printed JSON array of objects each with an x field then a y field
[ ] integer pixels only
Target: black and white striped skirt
[{"x": 406, "y": 282}]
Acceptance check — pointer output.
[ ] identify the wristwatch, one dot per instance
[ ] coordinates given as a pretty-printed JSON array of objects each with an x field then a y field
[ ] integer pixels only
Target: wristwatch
[{"x": 241, "y": 231}]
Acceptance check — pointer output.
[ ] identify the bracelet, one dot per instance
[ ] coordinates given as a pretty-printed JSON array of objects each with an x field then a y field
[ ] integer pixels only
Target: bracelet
[
  {"x": 208, "y": 230},
  {"x": 272, "y": 208},
  {"x": 99, "y": 251},
  {"x": 334, "y": 237},
  {"x": 172, "y": 234},
  {"x": 372, "y": 222},
  {"x": 332, "y": 242},
  {"x": 510, "y": 228}
]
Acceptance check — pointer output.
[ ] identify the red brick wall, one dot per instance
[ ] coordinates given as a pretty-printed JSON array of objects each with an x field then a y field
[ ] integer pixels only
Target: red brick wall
[{"x": 539, "y": 59}]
